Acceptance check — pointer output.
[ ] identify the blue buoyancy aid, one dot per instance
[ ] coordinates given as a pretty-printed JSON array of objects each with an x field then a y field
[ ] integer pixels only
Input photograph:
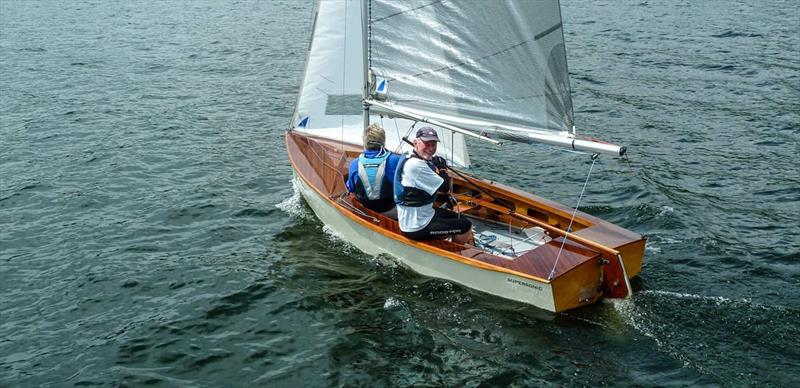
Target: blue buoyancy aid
[
  {"x": 371, "y": 172},
  {"x": 407, "y": 195}
]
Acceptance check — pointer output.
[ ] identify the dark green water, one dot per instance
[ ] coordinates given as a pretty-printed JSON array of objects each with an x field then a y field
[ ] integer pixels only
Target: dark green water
[{"x": 149, "y": 234}]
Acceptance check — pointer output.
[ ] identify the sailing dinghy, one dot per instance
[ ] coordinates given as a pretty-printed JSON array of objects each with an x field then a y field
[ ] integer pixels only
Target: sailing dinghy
[{"x": 488, "y": 70}]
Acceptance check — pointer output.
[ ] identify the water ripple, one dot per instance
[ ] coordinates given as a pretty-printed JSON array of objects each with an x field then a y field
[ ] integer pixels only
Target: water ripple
[{"x": 150, "y": 235}]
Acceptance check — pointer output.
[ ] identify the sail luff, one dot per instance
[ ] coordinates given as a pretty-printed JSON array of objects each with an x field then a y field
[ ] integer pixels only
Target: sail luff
[{"x": 296, "y": 111}]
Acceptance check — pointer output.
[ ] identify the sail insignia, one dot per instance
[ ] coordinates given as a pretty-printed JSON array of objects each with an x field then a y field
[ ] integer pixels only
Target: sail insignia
[
  {"x": 381, "y": 90},
  {"x": 303, "y": 122}
]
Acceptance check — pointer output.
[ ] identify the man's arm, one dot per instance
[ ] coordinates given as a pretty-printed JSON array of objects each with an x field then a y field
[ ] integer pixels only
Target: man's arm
[
  {"x": 350, "y": 181},
  {"x": 425, "y": 178}
]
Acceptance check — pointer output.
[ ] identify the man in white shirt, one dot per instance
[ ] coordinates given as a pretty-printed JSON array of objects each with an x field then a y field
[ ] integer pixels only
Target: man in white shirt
[{"x": 416, "y": 183}]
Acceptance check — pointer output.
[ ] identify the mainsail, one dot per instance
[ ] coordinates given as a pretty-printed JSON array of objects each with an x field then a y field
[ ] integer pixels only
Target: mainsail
[
  {"x": 497, "y": 68},
  {"x": 497, "y": 61}
]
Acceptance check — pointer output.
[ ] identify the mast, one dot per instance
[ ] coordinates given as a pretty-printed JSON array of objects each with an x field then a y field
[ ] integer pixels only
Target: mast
[{"x": 365, "y": 59}]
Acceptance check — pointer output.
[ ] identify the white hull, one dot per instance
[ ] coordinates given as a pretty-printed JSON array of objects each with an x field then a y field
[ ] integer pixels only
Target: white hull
[{"x": 539, "y": 294}]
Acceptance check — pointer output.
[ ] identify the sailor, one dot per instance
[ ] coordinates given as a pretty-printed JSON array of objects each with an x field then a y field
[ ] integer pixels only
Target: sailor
[
  {"x": 419, "y": 176},
  {"x": 371, "y": 175}
]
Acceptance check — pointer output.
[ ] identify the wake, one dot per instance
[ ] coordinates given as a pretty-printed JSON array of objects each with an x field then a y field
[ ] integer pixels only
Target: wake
[
  {"x": 712, "y": 334},
  {"x": 295, "y": 206}
]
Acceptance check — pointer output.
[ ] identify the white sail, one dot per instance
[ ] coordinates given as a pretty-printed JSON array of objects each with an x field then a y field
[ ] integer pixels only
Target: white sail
[
  {"x": 329, "y": 104},
  {"x": 497, "y": 68},
  {"x": 330, "y": 101},
  {"x": 500, "y": 61}
]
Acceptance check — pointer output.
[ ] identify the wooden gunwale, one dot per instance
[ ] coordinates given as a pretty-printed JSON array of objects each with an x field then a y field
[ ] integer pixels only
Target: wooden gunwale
[{"x": 420, "y": 245}]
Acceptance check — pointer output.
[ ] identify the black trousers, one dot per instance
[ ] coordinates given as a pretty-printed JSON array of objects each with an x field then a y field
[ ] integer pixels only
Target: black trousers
[{"x": 444, "y": 223}]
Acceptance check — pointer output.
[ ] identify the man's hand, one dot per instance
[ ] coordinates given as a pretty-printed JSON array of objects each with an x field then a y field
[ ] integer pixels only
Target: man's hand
[{"x": 439, "y": 162}]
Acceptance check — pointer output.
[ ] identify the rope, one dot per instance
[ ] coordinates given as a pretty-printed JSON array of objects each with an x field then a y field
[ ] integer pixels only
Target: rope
[
  {"x": 569, "y": 227},
  {"x": 630, "y": 166},
  {"x": 511, "y": 237},
  {"x": 340, "y": 199},
  {"x": 399, "y": 136}
]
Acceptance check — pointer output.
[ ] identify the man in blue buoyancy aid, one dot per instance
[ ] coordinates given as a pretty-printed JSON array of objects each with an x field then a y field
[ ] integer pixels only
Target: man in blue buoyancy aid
[
  {"x": 371, "y": 176},
  {"x": 419, "y": 176}
]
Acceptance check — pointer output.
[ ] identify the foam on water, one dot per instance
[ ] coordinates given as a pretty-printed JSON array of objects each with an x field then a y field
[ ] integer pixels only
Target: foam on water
[
  {"x": 295, "y": 206},
  {"x": 392, "y": 303},
  {"x": 639, "y": 320},
  {"x": 339, "y": 242},
  {"x": 689, "y": 327},
  {"x": 665, "y": 210}
]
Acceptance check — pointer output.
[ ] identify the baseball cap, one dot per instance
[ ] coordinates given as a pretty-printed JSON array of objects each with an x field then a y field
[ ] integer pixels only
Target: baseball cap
[{"x": 427, "y": 134}]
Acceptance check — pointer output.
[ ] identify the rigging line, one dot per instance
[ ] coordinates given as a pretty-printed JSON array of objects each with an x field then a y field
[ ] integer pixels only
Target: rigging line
[
  {"x": 340, "y": 199},
  {"x": 452, "y": 152},
  {"x": 575, "y": 211},
  {"x": 489, "y": 196},
  {"x": 630, "y": 165},
  {"x": 403, "y": 138},
  {"x": 450, "y": 197},
  {"x": 511, "y": 238},
  {"x": 397, "y": 131}
]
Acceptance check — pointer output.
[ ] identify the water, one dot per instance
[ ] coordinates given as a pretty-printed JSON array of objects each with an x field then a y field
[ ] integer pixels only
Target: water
[{"x": 149, "y": 233}]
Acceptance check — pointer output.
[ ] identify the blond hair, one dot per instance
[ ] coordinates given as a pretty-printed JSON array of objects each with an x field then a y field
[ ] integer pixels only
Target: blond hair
[{"x": 374, "y": 137}]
